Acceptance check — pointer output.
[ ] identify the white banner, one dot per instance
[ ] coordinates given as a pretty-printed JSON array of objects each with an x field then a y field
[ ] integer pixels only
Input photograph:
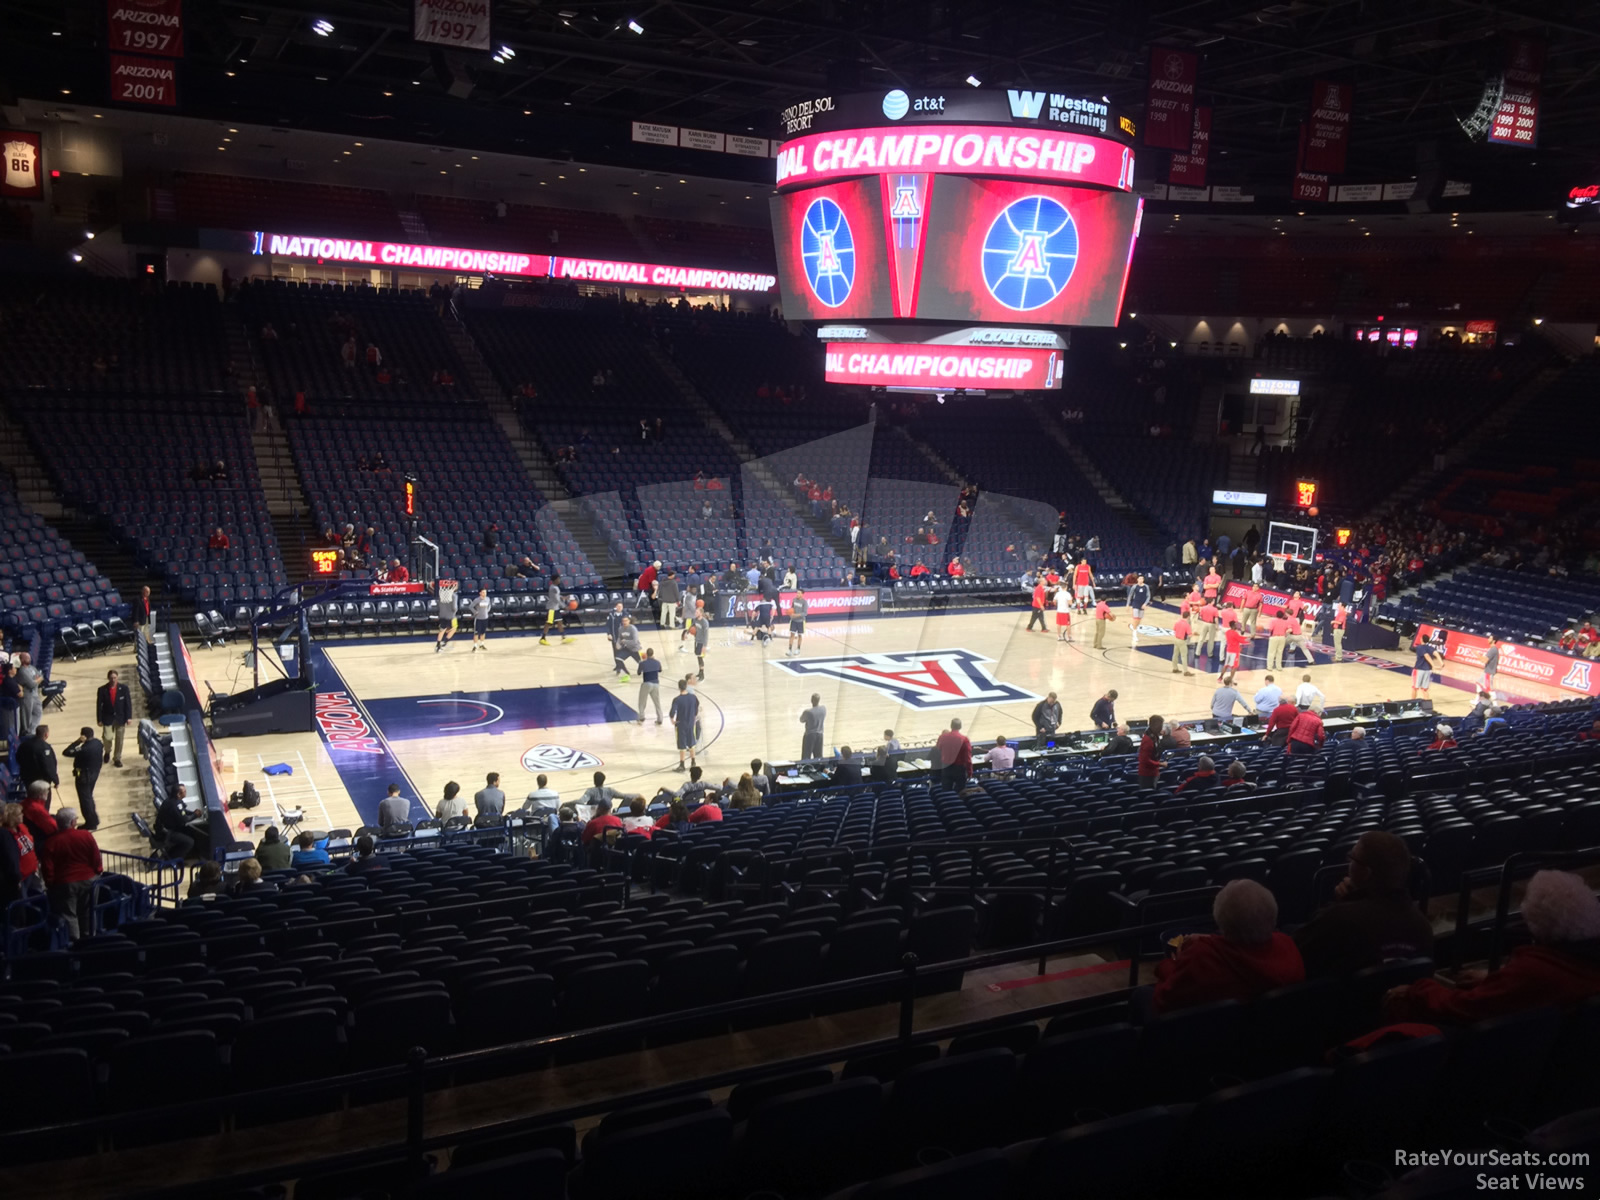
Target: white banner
[
  {"x": 755, "y": 147},
  {"x": 702, "y": 139},
  {"x": 1359, "y": 193},
  {"x": 655, "y": 135},
  {"x": 463, "y": 24}
]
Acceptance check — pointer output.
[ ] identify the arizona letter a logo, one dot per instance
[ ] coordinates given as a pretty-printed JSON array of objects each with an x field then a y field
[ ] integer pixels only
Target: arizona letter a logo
[{"x": 920, "y": 678}]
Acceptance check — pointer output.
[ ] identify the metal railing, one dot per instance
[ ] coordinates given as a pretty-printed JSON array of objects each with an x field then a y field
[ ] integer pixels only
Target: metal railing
[
  {"x": 1504, "y": 875},
  {"x": 162, "y": 877}
]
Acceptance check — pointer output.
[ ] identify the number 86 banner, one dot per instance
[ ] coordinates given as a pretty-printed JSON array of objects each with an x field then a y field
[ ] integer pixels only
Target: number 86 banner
[{"x": 460, "y": 23}]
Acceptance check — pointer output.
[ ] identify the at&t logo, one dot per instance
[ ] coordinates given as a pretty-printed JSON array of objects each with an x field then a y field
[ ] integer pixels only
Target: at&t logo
[
  {"x": 828, "y": 252},
  {"x": 1029, "y": 253}
]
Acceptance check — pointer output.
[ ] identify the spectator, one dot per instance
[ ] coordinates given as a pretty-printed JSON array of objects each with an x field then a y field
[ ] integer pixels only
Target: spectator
[
  {"x": 813, "y": 720},
  {"x": 489, "y": 800},
  {"x": 1046, "y": 719},
  {"x": 746, "y": 794},
  {"x": 172, "y": 823},
  {"x": 1267, "y": 699},
  {"x": 1204, "y": 778},
  {"x": 19, "y": 857},
  {"x": 250, "y": 883},
  {"x": 207, "y": 882},
  {"x": 848, "y": 771},
  {"x": 10, "y": 702},
  {"x": 219, "y": 542},
  {"x": 710, "y": 811},
  {"x": 676, "y": 816},
  {"x": 1002, "y": 756},
  {"x": 452, "y": 805},
  {"x": 71, "y": 861},
  {"x": 1279, "y": 723},
  {"x": 758, "y": 775},
  {"x": 1560, "y": 969},
  {"x": 1103, "y": 714},
  {"x": 1306, "y": 734},
  {"x": 1372, "y": 918},
  {"x": 393, "y": 809},
  {"x": 638, "y": 820},
  {"x": 36, "y": 759},
  {"x": 1245, "y": 958},
  {"x": 602, "y": 820},
  {"x": 31, "y": 711},
  {"x": 600, "y": 791},
  {"x": 1225, "y": 699},
  {"x": 1175, "y": 736},
  {"x": 1309, "y": 695},
  {"x": 1493, "y": 722},
  {"x": 1120, "y": 743},
  {"x": 543, "y": 799},
  {"x": 694, "y": 789},
  {"x": 365, "y": 860},
  {"x": 1149, "y": 769},
  {"x": 308, "y": 854},
  {"x": 1236, "y": 778},
  {"x": 272, "y": 852},
  {"x": 1444, "y": 738},
  {"x": 955, "y": 753}
]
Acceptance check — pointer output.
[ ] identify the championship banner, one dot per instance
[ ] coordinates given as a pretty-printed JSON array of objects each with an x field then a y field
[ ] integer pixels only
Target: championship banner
[
  {"x": 146, "y": 27},
  {"x": 402, "y": 254},
  {"x": 827, "y": 602},
  {"x": 1189, "y": 170},
  {"x": 1327, "y": 132},
  {"x": 1520, "y": 662},
  {"x": 1272, "y": 600},
  {"x": 884, "y": 364},
  {"x": 150, "y": 81},
  {"x": 1516, "y": 117},
  {"x": 23, "y": 174},
  {"x": 463, "y": 24},
  {"x": 1169, "y": 104}
]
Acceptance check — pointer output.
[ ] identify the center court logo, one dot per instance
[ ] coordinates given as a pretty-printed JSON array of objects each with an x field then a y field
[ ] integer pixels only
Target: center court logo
[
  {"x": 921, "y": 678},
  {"x": 1029, "y": 253},
  {"x": 548, "y": 757},
  {"x": 828, "y": 252}
]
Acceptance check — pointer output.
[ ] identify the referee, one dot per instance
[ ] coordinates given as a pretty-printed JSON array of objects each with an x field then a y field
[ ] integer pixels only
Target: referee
[
  {"x": 480, "y": 620},
  {"x": 448, "y": 590}
]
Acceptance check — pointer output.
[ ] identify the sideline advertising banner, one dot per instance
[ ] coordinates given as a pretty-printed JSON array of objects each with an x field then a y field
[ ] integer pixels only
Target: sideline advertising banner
[{"x": 1520, "y": 662}]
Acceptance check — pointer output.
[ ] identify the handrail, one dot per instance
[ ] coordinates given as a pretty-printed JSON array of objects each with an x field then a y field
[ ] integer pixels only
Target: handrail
[
  {"x": 907, "y": 976},
  {"x": 1529, "y": 860}
]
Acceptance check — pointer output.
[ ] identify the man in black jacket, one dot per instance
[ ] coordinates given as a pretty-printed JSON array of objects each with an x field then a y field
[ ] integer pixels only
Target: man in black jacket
[
  {"x": 36, "y": 758},
  {"x": 848, "y": 772},
  {"x": 113, "y": 709},
  {"x": 1046, "y": 720},
  {"x": 1373, "y": 918},
  {"x": 86, "y": 755},
  {"x": 1103, "y": 715}
]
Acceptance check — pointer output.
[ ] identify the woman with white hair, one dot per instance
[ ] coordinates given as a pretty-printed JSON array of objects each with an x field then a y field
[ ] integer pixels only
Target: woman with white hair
[
  {"x": 1444, "y": 738},
  {"x": 1560, "y": 968},
  {"x": 1246, "y": 957}
]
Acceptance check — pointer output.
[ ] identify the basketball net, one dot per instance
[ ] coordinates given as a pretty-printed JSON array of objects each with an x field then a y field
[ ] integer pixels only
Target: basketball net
[{"x": 1278, "y": 561}]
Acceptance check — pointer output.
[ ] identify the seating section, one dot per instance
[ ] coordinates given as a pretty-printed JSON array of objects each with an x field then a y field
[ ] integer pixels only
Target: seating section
[
  {"x": 138, "y": 474},
  {"x": 1170, "y": 481},
  {"x": 280, "y": 206},
  {"x": 313, "y": 321},
  {"x": 695, "y": 243},
  {"x": 1522, "y": 605},
  {"x": 47, "y": 585},
  {"x": 467, "y": 477},
  {"x": 85, "y": 334},
  {"x": 582, "y": 233}
]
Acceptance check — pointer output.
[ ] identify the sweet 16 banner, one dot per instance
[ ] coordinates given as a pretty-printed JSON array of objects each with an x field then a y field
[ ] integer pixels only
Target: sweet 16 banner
[
  {"x": 1169, "y": 104},
  {"x": 460, "y": 23},
  {"x": 1520, "y": 662},
  {"x": 1189, "y": 170}
]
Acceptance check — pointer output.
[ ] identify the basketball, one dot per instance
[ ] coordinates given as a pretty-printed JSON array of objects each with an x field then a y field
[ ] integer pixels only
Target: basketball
[
  {"x": 1312, "y": 511},
  {"x": 572, "y": 606}
]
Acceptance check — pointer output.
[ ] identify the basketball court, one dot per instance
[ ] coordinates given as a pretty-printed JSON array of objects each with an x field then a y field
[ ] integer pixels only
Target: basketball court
[{"x": 390, "y": 710}]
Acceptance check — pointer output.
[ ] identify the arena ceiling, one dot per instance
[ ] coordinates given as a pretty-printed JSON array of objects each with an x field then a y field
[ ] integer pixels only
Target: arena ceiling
[{"x": 579, "y": 72}]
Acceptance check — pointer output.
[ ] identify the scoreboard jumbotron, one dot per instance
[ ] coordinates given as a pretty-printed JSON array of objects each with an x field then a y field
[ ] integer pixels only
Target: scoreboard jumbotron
[{"x": 953, "y": 225}]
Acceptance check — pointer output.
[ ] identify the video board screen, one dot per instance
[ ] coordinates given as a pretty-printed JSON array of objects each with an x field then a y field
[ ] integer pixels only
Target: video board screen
[{"x": 955, "y": 248}]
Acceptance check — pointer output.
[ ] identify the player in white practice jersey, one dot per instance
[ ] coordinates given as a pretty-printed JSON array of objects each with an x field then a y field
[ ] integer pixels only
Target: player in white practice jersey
[{"x": 448, "y": 589}]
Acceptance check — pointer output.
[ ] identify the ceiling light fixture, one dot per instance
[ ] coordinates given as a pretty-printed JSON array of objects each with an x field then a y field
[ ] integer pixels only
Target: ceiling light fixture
[
  {"x": 504, "y": 55},
  {"x": 635, "y": 26},
  {"x": 321, "y": 27},
  {"x": 974, "y": 81}
]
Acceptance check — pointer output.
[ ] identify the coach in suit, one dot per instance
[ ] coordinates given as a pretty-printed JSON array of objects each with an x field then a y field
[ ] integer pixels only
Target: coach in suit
[
  {"x": 113, "y": 708},
  {"x": 86, "y": 755}
]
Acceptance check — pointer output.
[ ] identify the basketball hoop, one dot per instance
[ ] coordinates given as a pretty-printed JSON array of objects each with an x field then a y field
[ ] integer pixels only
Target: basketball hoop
[{"x": 1278, "y": 561}]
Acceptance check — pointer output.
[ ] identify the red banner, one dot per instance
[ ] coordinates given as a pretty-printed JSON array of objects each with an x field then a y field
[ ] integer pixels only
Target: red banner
[
  {"x": 1520, "y": 662},
  {"x": 152, "y": 81},
  {"x": 22, "y": 170},
  {"x": 1516, "y": 120},
  {"x": 1169, "y": 103},
  {"x": 407, "y": 588},
  {"x": 146, "y": 27},
  {"x": 1189, "y": 170},
  {"x": 1309, "y": 187},
  {"x": 887, "y": 364},
  {"x": 1272, "y": 600},
  {"x": 1327, "y": 133}
]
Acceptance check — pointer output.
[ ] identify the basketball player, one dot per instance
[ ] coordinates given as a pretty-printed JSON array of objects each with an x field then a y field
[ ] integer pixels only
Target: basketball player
[
  {"x": 702, "y": 634},
  {"x": 480, "y": 620},
  {"x": 1234, "y": 641},
  {"x": 447, "y": 590},
  {"x": 1138, "y": 597},
  {"x": 1063, "y": 614},
  {"x": 798, "y": 607},
  {"x": 685, "y": 714},
  {"x": 1491, "y": 666},
  {"x": 1083, "y": 585},
  {"x": 1428, "y": 661},
  {"x": 552, "y": 603}
]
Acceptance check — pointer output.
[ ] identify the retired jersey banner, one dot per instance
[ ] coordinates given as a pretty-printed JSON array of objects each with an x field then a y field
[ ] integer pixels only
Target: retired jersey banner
[
  {"x": 22, "y": 176},
  {"x": 1327, "y": 132},
  {"x": 463, "y": 24},
  {"x": 1169, "y": 106},
  {"x": 1189, "y": 170},
  {"x": 151, "y": 81},
  {"x": 146, "y": 27},
  {"x": 1581, "y": 675},
  {"x": 1516, "y": 118}
]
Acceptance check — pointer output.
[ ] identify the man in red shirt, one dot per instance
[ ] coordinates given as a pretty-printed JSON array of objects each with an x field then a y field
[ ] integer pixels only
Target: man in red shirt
[
  {"x": 709, "y": 811},
  {"x": 1204, "y": 777},
  {"x": 1246, "y": 958},
  {"x": 1189, "y": 603},
  {"x": 1252, "y": 609},
  {"x": 1180, "y": 645},
  {"x": 1083, "y": 585},
  {"x": 1207, "y": 627},
  {"x": 398, "y": 572},
  {"x": 1295, "y": 607},
  {"x": 918, "y": 570},
  {"x": 1211, "y": 583},
  {"x": 219, "y": 541},
  {"x": 1306, "y": 733},
  {"x": 955, "y": 570},
  {"x": 593, "y": 837},
  {"x": 955, "y": 752},
  {"x": 1038, "y": 609},
  {"x": 1235, "y": 643},
  {"x": 71, "y": 861},
  {"x": 1279, "y": 723},
  {"x": 1340, "y": 617},
  {"x": 1102, "y": 614},
  {"x": 1277, "y": 636},
  {"x": 1150, "y": 755}
]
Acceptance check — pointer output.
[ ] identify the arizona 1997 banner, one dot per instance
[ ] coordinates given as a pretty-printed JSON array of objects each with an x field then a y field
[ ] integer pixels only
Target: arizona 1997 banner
[{"x": 460, "y": 23}]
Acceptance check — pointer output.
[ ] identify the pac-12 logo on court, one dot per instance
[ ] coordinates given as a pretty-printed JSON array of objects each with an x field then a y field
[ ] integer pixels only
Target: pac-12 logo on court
[
  {"x": 547, "y": 757},
  {"x": 920, "y": 678},
  {"x": 1029, "y": 253},
  {"x": 828, "y": 251}
]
